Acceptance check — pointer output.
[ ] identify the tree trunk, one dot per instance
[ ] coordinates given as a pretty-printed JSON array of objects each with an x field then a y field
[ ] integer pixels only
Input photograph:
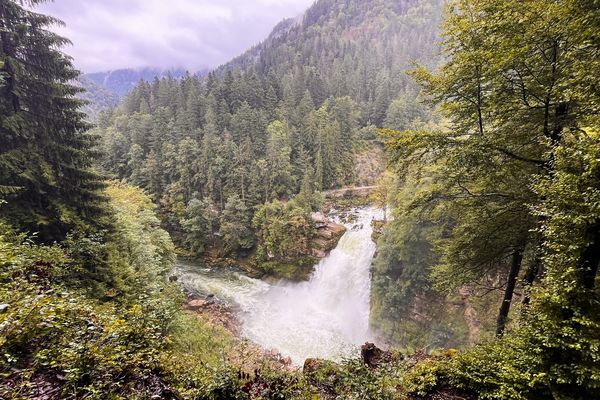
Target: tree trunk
[
  {"x": 243, "y": 191},
  {"x": 515, "y": 267}
]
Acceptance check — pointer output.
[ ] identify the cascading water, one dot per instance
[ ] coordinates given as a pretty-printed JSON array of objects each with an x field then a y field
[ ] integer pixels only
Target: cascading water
[{"x": 325, "y": 317}]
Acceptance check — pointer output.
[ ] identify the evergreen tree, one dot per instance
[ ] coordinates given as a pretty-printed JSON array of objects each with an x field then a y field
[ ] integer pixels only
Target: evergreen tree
[
  {"x": 46, "y": 153},
  {"x": 236, "y": 226},
  {"x": 198, "y": 224}
]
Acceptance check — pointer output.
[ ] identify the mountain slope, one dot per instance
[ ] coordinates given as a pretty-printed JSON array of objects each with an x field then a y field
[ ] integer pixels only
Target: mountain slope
[
  {"x": 286, "y": 118},
  {"x": 104, "y": 90},
  {"x": 98, "y": 98},
  {"x": 350, "y": 48},
  {"x": 121, "y": 81}
]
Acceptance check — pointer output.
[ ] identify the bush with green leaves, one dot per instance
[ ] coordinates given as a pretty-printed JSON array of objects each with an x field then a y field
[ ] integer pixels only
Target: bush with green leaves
[{"x": 55, "y": 330}]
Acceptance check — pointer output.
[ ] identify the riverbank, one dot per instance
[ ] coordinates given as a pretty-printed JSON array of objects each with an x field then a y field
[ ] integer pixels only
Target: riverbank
[
  {"x": 241, "y": 352},
  {"x": 326, "y": 230},
  {"x": 325, "y": 316}
]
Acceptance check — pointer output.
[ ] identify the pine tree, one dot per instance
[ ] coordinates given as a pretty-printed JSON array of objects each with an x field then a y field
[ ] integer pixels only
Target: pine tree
[
  {"x": 236, "y": 223},
  {"x": 46, "y": 154}
]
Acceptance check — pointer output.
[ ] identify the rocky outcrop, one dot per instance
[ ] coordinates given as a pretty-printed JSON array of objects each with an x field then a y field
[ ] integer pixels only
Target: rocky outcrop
[
  {"x": 327, "y": 236},
  {"x": 217, "y": 313},
  {"x": 241, "y": 352},
  {"x": 373, "y": 356}
]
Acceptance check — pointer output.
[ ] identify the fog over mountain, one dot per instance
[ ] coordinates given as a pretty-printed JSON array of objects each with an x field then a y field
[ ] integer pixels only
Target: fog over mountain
[{"x": 191, "y": 34}]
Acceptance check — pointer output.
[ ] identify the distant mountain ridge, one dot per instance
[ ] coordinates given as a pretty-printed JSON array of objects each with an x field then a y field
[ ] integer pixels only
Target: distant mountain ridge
[
  {"x": 106, "y": 89},
  {"x": 121, "y": 81}
]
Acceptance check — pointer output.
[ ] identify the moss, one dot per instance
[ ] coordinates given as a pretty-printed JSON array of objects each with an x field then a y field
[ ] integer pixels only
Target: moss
[{"x": 297, "y": 270}]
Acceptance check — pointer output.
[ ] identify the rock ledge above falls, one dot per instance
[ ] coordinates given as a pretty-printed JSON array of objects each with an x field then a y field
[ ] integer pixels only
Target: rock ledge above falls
[{"x": 327, "y": 236}]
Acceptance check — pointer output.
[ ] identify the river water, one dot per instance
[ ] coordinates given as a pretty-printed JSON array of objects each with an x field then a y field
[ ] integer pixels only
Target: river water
[{"x": 325, "y": 317}]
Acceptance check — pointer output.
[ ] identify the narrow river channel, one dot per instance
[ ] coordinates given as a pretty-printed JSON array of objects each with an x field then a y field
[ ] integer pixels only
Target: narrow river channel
[{"x": 325, "y": 317}]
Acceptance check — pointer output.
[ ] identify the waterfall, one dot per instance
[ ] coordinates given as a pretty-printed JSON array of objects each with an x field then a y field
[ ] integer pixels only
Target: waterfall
[{"x": 325, "y": 317}]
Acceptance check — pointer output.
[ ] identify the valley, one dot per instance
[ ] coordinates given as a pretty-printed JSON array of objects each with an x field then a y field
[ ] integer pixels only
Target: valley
[{"x": 382, "y": 199}]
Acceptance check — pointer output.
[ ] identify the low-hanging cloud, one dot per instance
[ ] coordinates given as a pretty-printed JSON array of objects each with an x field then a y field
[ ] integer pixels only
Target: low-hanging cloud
[{"x": 111, "y": 34}]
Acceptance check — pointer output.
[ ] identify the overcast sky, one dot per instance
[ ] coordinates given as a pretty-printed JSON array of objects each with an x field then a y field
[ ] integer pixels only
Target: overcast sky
[{"x": 111, "y": 34}]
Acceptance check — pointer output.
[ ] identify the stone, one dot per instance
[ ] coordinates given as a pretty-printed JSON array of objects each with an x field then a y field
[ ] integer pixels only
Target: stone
[
  {"x": 373, "y": 356},
  {"x": 4, "y": 308},
  {"x": 197, "y": 304},
  {"x": 319, "y": 217}
]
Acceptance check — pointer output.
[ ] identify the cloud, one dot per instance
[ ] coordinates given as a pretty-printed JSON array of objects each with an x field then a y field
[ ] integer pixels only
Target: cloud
[{"x": 111, "y": 34}]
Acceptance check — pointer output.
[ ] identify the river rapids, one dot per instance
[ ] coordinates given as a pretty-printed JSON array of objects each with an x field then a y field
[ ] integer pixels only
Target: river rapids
[{"x": 326, "y": 317}]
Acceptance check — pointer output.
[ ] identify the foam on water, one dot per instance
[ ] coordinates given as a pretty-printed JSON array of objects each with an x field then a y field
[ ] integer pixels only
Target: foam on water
[{"x": 325, "y": 317}]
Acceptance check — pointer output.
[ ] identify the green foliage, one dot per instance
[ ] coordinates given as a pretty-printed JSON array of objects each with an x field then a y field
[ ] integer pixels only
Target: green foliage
[
  {"x": 129, "y": 258},
  {"x": 295, "y": 270},
  {"x": 405, "y": 307},
  {"x": 199, "y": 225},
  {"x": 53, "y": 329},
  {"x": 402, "y": 115},
  {"x": 284, "y": 231},
  {"x": 133, "y": 343},
  {"x": 491, "y": 89},
  {"x": 236, "y": 230},
  {"x": 279, "y": 120},
  {"x": 46, "y": 153},
  {"x": 352, "y": 379}
]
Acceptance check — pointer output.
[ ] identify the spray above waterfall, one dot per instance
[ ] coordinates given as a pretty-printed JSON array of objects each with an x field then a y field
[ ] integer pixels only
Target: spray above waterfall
[{"x": 325, "y": 317}]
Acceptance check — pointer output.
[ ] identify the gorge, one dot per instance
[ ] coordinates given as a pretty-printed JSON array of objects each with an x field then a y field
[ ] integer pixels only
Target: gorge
[{"x": 325, "y": 317}]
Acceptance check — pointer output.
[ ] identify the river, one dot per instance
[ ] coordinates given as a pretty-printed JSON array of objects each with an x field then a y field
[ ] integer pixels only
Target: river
[{"x": 325, "y": 317}]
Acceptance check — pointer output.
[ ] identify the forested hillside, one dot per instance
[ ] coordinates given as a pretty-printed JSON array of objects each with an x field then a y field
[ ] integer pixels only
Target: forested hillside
[
  {"x": 98, "y": 98},
  {"x": 494, "y": 188},
  {"x": 290, "y": 114},
  {"x": 359, "y": 49},
  {"x": 121, "y": 81},
  {"x": 105, "y": 90}
]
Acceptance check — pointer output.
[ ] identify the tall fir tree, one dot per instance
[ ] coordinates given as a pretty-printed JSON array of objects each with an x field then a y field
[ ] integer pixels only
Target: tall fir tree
[{"x": 46, "y": 154}]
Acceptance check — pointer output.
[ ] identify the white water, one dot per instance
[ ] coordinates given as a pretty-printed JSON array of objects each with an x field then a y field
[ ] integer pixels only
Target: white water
[{"x": 325, "y": 317}]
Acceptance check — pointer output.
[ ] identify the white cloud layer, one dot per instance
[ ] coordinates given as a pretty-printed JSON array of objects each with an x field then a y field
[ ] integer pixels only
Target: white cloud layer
[{"x": 111, "y": 34}]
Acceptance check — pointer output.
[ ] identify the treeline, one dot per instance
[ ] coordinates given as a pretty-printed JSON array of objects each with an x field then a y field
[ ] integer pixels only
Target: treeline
[
  {"x": 248, "y": 135},
  {"x": 180, "y": 142},
  {"x": 354, "y": 48},
  {"x": 502, "y": 198},
  {"x": 85, "y": 306}
]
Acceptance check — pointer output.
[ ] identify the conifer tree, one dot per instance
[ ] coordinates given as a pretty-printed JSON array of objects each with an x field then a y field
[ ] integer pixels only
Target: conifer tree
[{"x": 46, "y": 153}]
